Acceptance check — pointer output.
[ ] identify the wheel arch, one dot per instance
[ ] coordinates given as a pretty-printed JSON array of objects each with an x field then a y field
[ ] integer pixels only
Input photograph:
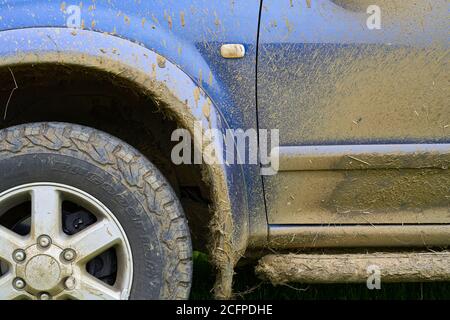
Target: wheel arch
[{"x": 175, "y": 94}]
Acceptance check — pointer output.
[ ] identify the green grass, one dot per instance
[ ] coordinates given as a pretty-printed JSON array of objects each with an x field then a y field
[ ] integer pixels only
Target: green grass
[{"x": 248, "y": 287}]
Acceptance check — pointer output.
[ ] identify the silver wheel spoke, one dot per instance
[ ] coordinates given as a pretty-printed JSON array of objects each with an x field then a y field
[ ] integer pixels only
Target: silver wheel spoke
[
  {"x": 9, "y": 241},
  {"x": 45, "y": 211},
  {"x": 94, "y": 240},
  {"x": 7, "y": 291},
  {"x": 91, "y": 288}
]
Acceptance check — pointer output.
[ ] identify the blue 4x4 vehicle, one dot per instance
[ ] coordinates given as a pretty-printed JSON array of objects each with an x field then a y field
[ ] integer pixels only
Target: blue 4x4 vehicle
[{"x": 92, "y": 205}]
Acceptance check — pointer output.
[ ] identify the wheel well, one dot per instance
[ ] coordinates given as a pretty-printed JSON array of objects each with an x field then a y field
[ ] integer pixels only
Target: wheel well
[{"x": 101, "y": 100}]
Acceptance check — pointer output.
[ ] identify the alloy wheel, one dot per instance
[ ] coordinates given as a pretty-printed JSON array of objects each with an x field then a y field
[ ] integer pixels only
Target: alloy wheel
[{"x": 59, "y": 255}]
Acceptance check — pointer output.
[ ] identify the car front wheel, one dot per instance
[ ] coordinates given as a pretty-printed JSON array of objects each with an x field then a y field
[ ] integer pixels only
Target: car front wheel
[{"x": 83, "y": 215}]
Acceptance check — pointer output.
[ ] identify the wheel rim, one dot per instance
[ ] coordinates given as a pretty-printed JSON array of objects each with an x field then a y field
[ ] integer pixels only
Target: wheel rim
[{"x": 47, "y": 263}]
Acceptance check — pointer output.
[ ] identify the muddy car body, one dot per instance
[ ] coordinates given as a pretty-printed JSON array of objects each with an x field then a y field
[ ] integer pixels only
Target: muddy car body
[{"x": 361, "y": 108}]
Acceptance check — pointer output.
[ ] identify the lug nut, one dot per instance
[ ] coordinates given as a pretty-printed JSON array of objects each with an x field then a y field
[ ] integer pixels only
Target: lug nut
[
  {"x": 44, "y": 296},
  {"x": 19, "y": 283},
  {"x": 69, "y": 255},
  {"x": 19, "y": 255},
  {"x": 44, "y": 241},
  {"x": 70, "y": 283}
]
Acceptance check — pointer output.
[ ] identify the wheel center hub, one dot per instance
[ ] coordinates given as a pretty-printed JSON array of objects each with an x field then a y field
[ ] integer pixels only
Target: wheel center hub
[{"x": 42, "y": 272}]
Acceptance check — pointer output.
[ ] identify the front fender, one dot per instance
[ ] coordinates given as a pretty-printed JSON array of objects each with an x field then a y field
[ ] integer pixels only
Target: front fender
[{"x": 173, "y": 90}]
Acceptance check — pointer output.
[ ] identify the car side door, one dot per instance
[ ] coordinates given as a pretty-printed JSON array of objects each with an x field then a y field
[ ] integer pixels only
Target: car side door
[{"x": 359, "y": 92}]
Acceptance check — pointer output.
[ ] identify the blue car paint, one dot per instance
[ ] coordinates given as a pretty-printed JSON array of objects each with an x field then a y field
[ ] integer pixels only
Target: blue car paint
[{"x": 186, "y": 33}]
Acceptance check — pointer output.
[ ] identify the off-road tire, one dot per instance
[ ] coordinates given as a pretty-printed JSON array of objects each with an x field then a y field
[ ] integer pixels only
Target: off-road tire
[{"x": 124, "y": 181}]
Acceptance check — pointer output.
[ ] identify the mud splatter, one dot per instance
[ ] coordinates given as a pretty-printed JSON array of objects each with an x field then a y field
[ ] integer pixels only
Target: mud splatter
[
  {"x": 161, "y": 61},
  {"x": 288, "y": 26},
  {"x": 153, "y": 75},
  {"x": 206, "y": 109},
  {"x": 182, "y": 19},
  {"x": 357, "y": 94},
  {"x": 210, "y": 78},
  {"x": 196, "y": 95}
]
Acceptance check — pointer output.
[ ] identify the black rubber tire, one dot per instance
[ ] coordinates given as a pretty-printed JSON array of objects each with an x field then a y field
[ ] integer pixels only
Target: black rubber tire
[{"x": 124, "y": 181}]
